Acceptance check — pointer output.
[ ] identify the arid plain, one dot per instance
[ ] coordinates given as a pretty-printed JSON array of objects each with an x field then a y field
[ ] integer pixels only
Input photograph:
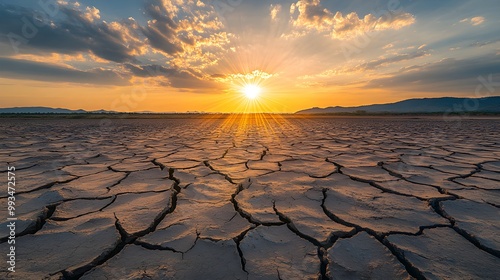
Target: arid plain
[{"x": 253, "y": 197}]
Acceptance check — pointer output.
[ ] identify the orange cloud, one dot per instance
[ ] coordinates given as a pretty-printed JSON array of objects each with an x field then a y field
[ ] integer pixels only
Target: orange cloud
[
  {"x": 309, "y": 14},
  {"x": 274, "y": 10},
  {"x": 91, "y": 14},
  {"x": 189, "y": 33},
  {"x": 474, "y": 21},
  {"x": 477, "y": 20}
]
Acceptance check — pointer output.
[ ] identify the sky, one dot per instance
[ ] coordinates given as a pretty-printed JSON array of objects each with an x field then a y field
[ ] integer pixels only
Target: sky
[{"x": 244, "y": 55}]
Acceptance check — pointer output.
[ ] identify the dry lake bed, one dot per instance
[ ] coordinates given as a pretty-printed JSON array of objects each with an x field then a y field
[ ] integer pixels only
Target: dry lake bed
[{"x": 251, "y": 198}]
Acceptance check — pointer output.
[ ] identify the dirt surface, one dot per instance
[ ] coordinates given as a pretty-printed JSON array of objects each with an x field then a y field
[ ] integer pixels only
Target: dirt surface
[{"x": 253, "y": 198}]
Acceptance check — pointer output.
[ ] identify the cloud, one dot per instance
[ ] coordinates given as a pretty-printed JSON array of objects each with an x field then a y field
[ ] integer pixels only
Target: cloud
[
  {"x": 255, "y": 76},
  {"x": 450, "y": 75},
  {"x": 25, "y": 69},
  {"x": 422, "y": 46},
  {"x": 189, "y": 80},
  {"x": 187, "y": 32},
  {"x": 184, "y": 36},
  {"x": 72, "y": 31},
  {"x": 274, "y": 10},
  {"x": 172, "y": 77},
  {"x": 477, "y": 20},
  {"x": 388, "y": 46},
  {"x": 390, "y": 60},
  {"x": 92, "y": 14},
  {"x": 474, "y": 21},
  {"x": 485, "y": 43},
  {"x": 309, "y": 14},
  {"x": 146, "y": 71}
]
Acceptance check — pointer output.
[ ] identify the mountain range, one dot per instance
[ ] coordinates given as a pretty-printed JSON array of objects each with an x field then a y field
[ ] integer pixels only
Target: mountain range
[
  {"x": 419, "y": 105},
  {"x": 48, "y": 110}
]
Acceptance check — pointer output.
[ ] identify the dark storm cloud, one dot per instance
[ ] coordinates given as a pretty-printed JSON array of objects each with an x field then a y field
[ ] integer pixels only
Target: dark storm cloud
[
  {"x": 69, "y": 32},
  {"x": 25, "y": 69},
  {"x": 459, "y": 75}
]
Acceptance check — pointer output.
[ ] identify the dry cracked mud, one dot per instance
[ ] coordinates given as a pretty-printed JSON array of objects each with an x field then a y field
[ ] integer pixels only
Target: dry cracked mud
[{"x": 253, "y": 198}]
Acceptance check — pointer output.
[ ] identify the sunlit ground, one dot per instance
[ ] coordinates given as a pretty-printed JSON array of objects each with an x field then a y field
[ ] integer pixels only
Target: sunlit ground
[{"x": 247, "y": 195}]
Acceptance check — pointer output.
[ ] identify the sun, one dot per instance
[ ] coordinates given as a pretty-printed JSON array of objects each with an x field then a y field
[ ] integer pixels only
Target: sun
[{"x": 252, "y": 91}]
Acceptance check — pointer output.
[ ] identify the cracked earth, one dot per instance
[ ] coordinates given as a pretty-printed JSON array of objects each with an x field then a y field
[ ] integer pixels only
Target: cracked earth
[{"x": 327, "y": 198}]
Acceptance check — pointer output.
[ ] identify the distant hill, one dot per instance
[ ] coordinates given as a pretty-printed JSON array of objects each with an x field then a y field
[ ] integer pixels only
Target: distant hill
[
  {"x": 420, "y": 105},
  {"x": 47, "y": 110}
]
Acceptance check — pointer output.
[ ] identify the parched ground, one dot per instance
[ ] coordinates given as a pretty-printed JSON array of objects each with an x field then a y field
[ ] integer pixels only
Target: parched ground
[{"x": 253, "y": 198}]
